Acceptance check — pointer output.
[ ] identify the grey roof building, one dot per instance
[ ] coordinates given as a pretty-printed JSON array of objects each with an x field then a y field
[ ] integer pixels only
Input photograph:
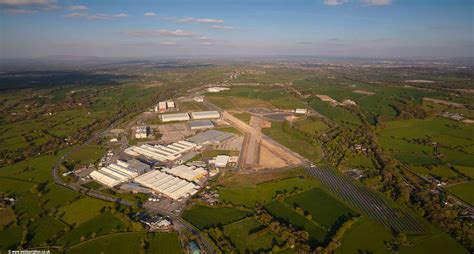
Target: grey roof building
[
  {"x": 201, "y": 124},
  {"x": 210, "y": 137}
]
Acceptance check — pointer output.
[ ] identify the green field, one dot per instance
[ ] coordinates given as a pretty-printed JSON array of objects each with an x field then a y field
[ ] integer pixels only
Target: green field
[
  {"x": 337, "y": 114},
  {"x": 102, "y": 224},
  {"x": 11, "y": 238},
  {"x": 254, "y": 97},
  {"x": 295, "y": 140},
  {"x": 203, "y": 217},
  {"x": 82, "y": 210},
  {"x": 164, "y": 243},
  {"x": 125, "y": 243},
  {"x": 264, "y": 192},
  {"x": 437, "y": 244},
  {"x": 410, "y": 141},
  {"x": 317, "y": 234},
  {"x": 88, "y": 154},
  {"x": 244, "y": 234},
  {"x": 325, "y": 210},
  {"x": 464, "y": 191},
  {"x": 43, "y": 230},
  {"x": 365, "y": 236}
]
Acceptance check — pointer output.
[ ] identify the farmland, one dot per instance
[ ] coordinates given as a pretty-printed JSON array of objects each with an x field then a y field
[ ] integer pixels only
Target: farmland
[
  {"x": 282, "y": 212},
  {"x": 411, "y": 142},
  {"x": 244, "y": 234},
  {"x": 258, "y": 97},
  {"x": 203, "y": 217},
  {"x": 82, "y": 210},
  {"x": 323, "y": 208},
  {"x": 102, "y": 224},
  {"x": 164, "y": 243},
  {"x": 295, "y": 139},
  {"x": 463, "y": 191},
  {"x": 117, "y": 243},
  {"x": 264, "y": 192}
]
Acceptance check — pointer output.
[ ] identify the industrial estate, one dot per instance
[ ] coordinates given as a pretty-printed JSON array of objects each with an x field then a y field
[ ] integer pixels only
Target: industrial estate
[{"x": 256, "y": 158}]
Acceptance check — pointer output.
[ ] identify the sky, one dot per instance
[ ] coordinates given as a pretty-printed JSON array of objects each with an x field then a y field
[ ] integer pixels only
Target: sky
[{"x": 190, "y": 28}]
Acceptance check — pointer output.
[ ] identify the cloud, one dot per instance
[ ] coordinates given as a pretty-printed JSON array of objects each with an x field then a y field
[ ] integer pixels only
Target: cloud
[
  {"x": 366, "y": 2},
  {"x": 20, "y": 11},
  {"x": 78, "y": 8},
  {"x": 149, "y": 14},
  {"x": 305, "y": 42},
  {"x": 26, "y": 2},
  {"x": 377, "y": 2},
  {"x": 98, "y": 16},
  {"x": 200, "y": 20},
  {"x": 75, "y": 14},
  {"x": 27, "y": 6},
  {"x": 161, "y": 32},
  {"x": 219, "y": 27},
  {"x": 334, "y": 2}
]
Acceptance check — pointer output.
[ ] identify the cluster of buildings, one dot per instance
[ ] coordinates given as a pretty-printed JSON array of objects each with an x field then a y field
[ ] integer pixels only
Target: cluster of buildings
[
  {"x": 201, "y": 115},
  {"x": 119, "y": 172},
  {"x": 164, "y": 106},
  {"x": 177, "y": 180}
]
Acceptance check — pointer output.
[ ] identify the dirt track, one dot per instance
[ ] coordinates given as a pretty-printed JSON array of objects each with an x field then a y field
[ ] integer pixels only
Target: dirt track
[{"x": 259, "y": 151}]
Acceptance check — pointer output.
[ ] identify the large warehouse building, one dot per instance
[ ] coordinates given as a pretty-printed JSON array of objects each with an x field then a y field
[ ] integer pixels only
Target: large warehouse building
[
  {"x": 114, "y": 174},
  {"x": 191, "y": 174},
  {"x": 210, "y": 137},
  {"x": 201, "y": 124},
  {"x": 160, "y": 152},
  {"x": 205, "y": 115},
  {"x": 174, "y": 117},
  {"x": 170, "y": 185}
]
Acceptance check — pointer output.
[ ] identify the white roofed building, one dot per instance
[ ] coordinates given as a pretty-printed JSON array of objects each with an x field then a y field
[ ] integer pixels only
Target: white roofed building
[
  {"x": 174, "y": 117},
  {"x": 205, "y": 115},
  {"x": 113, "y": 174},
  {"x": 170, "y": 104},
  {"x": 188, "y": 173},
  {"x": 301, "y": 111},
  {"x": 220, "y": 161},
  {"x": 162, "y": 153},
  {"x": 171, "y": 186}
]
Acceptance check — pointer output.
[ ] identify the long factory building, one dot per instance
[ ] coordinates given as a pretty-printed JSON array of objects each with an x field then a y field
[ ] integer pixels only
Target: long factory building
[
  {"x": 174, "y": 117},
  {"x": 114, "y": 174},
  {"x": 172, "y": 186},
  {"x": 162, "y": 153},
  {"x": 191, "y": 174},
  {"x": 205, "y": 115}
]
